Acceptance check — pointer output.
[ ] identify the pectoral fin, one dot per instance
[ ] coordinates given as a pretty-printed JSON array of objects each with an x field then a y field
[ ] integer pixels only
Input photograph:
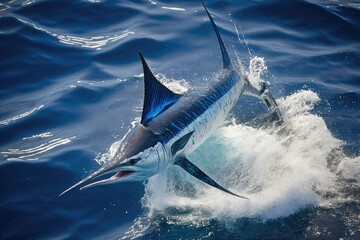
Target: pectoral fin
[
  {"x": 196, "y": 172},
  {"x": 181, "y": 143}
]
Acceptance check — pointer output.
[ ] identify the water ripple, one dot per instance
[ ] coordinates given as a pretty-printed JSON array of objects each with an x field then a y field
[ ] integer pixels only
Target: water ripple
[
  {"x": 174, "y": 8},
  {"x": 56, "y": 84},
  {"x": 20, "y": 116},
  {"x": 31, "y": 152},
  {"x": 92, "y": 42},
  {"x": 41, "y": 135},
  {"x": 14, "y": 3}
]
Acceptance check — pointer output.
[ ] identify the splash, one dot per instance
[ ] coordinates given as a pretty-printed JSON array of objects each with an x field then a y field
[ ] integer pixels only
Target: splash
[
  {"x": 257, "y": 68},
  {"x": 281, "y": 170},
  {"x": 179, "y": 86},
  {"x": 106, "y": 157}
]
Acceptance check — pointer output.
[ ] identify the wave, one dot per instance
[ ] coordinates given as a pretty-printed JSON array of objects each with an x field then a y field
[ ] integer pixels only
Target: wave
[
  {"x": 20, "y": 116},
  {"x": 281, "y": 170},
  {"x": 69, "y": 86},
  {"x": 92, "y": 42}
]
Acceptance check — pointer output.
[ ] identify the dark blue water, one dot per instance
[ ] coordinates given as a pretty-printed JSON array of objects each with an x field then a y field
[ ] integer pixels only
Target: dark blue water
[{"x": 70, "y": 88}]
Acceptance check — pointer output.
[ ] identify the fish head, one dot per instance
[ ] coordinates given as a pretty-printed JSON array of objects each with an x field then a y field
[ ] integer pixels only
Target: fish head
[{"x": 140, "y": 155}]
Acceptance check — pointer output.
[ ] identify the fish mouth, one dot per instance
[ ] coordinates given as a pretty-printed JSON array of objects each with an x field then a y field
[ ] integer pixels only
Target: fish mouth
[
  {"x": 119, "y": 176},
  {"x": 123, "y": 173}
]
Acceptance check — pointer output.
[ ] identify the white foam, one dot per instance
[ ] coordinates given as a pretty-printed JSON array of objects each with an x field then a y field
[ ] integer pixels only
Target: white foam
[
  {"x": 110, "y": 154},
  {"x": 280, "y": 171},
  {"x": 179, "y": 86},
  {"x": 349, "y": 168},
  {"x": 257, "y": 67}
]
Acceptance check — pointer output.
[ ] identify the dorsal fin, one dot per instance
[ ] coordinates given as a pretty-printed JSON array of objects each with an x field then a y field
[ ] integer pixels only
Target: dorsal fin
[
  {"x": 224, "y": 53},
  {"x": 157, "y": 97}
]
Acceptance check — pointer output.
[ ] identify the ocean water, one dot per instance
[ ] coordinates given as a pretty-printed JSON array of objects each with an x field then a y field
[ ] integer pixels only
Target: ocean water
[{"x": 71, "y": 87}]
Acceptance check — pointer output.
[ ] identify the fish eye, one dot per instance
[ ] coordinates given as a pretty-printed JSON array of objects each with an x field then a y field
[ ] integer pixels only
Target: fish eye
[{"x": 134, "y": 160}]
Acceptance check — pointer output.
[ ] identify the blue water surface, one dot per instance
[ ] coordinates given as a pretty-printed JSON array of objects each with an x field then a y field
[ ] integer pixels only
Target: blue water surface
[{"x": 70, "y": 88}]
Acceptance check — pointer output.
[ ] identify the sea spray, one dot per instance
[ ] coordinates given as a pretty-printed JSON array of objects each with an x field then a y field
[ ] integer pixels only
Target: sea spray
[
  {"x": 281, "y": 173},
  {"x": 257, "y": 68},
  {"x": 282, "y": 170}
]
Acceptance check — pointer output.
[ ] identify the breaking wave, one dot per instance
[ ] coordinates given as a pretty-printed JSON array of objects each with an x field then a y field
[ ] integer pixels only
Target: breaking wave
[{"x": 280, "y": 169}]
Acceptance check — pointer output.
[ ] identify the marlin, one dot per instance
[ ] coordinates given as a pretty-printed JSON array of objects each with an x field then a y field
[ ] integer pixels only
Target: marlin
[{"x": 173, "y": 125}]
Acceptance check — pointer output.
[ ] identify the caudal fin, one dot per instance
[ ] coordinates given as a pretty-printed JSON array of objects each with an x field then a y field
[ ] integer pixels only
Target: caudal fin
[{"x": 224, "y": 53}]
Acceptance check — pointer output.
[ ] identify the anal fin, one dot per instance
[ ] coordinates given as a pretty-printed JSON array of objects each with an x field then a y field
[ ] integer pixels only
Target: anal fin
[{"x": 196, "y": 172}]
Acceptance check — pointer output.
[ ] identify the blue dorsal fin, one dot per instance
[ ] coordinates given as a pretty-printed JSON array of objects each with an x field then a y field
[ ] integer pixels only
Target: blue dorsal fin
[
  {"x": 224, "y": 53},
  {"x": 157, "y": 97}
]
